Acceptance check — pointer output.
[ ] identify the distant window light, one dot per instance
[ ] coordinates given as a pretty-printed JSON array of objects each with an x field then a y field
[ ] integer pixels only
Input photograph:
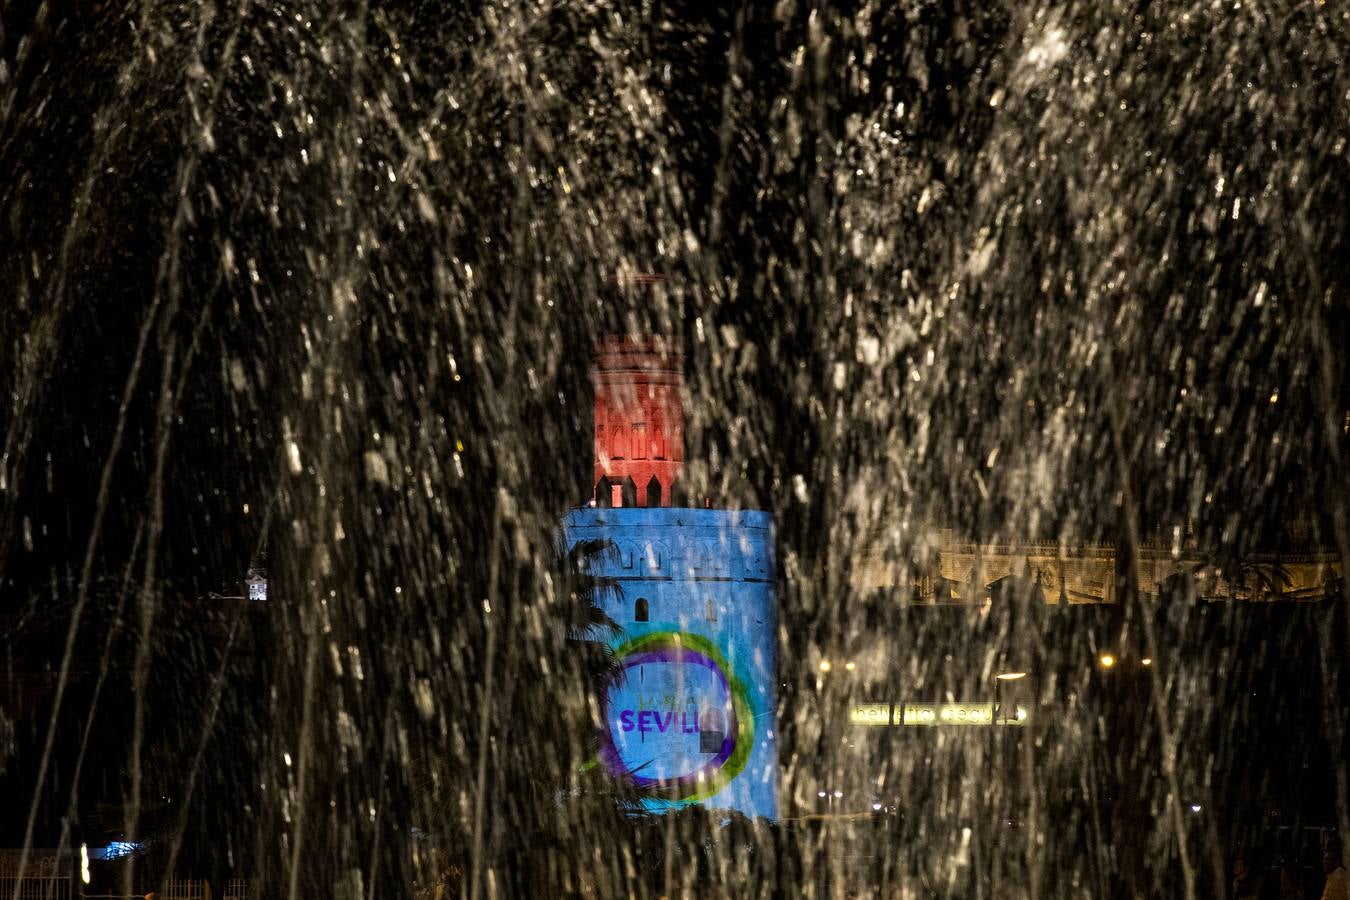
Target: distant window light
[
  {"x": 641, "y": 610},
  {"x": 114, "y": 850},
  {"x": 256, "y": 581}
]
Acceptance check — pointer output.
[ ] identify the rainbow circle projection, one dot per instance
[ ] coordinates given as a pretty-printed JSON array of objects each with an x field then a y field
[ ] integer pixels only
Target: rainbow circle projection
[{"x": 684, "y": 732}]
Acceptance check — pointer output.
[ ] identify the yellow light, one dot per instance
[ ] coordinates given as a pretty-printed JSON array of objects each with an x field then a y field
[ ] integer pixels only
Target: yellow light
[
  {"x": 850, "y": 666},
  {"x": 1107, "y": 660},
  {"x": 1146, "y": 661},
  {"x": 1010, "y": 676},
  {"x": 825, "y": 665}
]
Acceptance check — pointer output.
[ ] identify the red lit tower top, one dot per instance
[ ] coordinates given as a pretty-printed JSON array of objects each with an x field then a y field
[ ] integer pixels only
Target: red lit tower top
[{"x": 639, "y": 421}]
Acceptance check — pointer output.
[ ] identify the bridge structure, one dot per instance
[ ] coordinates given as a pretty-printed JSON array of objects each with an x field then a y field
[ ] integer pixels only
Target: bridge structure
[{"x": 963, "y": 571}]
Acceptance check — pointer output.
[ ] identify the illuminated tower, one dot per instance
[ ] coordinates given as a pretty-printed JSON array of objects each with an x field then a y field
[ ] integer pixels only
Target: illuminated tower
[
  {"x": 639, "y": 421},
  {"x": 693, "y": 720}
]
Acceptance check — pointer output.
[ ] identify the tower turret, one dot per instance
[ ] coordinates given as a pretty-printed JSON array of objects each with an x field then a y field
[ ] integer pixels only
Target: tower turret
[{"x": 639, "y": 421}]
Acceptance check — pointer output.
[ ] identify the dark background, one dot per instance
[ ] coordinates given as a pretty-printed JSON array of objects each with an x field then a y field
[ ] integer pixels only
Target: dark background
[{"x": 179, "y": 315}]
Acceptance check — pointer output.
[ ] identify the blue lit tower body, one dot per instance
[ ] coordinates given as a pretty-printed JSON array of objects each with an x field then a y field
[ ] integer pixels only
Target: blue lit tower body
[{"x": 694, "y": 718}]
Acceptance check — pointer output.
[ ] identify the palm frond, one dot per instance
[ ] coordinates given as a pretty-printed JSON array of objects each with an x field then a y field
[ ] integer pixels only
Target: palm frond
[
  {"x": 583, "y": 552},
  {"x": 602, "y": 587},
  {"x": 586, "y": 620}
]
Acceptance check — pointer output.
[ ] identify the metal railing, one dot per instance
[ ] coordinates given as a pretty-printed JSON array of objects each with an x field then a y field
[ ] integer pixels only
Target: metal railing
[
  {"x": 175, "y": 889},
  {"x": 35, "y": 888},
  {"x": 185, "y": 889},
  {"x": 45, "y": 876}
]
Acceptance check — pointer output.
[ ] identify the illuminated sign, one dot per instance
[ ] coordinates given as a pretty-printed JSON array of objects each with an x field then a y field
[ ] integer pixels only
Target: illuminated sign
[
  {"x": 979, "y": 712},
  {"x": 681, "y": 726},
  {"x": 870, "y": 714},
  {"x": 948, "y": 714}
]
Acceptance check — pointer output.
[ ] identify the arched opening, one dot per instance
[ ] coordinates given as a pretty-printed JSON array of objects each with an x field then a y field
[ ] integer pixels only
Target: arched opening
[
  {"x": 678, "y": 496},
  {"x": 619, "y": 446},
  {"x": 629, "y": 492},
  {"x": 639, "y": 440},
  {"x": 641, "y": 610},
  {"x": 654, "y": 492}
]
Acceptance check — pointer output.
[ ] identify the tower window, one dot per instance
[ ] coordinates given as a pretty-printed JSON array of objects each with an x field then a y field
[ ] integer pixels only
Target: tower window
[
  {"x": 654, "y": 492},
  {"x": 641, "y": 610}
]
